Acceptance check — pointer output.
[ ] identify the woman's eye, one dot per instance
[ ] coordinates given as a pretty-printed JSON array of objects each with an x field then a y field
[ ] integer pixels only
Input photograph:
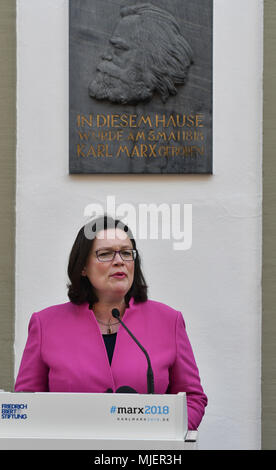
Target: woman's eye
[
  {"x": 106, "y": 253},
  {"x": 127, "y": 253}
]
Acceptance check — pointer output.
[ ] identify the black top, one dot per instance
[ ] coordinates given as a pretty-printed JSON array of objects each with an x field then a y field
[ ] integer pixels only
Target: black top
[{"x": 110, "y": 344}]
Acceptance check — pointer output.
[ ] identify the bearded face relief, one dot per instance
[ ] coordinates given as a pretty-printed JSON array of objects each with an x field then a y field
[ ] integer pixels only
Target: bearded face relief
[
  {"x": 119, "y": 76},
  {"x": 146, "y": 53}
]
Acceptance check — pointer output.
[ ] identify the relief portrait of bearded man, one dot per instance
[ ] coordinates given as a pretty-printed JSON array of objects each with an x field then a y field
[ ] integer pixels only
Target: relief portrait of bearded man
[{"x": 146, "y": 54}]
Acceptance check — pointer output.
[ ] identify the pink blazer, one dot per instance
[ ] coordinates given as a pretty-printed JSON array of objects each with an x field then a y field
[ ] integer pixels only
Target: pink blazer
[{"x": 65, "y": 352}]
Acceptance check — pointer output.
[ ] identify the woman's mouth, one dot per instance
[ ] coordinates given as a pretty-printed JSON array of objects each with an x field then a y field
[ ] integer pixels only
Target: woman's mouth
[{"x": 119, "y": 275}]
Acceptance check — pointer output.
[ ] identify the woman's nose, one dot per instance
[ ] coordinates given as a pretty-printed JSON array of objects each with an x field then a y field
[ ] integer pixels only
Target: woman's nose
[{"x": 118, "y": 259}]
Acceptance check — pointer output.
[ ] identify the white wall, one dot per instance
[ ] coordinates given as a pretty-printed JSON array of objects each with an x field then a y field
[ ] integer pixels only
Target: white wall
[{"x": 217, "y": 283}]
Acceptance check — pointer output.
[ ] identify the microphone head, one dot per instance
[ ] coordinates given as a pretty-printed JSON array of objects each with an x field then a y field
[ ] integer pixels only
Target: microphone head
[
  {"x": 125, "y": 389},
  {"x": 115, "y": 313}
]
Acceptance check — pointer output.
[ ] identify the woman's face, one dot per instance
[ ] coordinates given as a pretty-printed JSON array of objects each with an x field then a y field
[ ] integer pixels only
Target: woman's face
[{"x": 110, "y": 279}]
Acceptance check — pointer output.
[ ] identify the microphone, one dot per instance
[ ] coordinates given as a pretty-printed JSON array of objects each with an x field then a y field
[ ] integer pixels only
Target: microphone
[
  {"x": 125, "y": 389},
  {"x": 122, "y": 389},
  {"x": 150, "y": 380}
]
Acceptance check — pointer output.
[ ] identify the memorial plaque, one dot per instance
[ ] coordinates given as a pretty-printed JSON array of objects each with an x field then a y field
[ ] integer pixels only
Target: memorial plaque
[{"x": 140, "y": 86}]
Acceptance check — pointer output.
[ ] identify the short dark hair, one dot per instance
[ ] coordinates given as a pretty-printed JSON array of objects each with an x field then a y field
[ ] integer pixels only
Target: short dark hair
[{"x": 80, "y": 290}]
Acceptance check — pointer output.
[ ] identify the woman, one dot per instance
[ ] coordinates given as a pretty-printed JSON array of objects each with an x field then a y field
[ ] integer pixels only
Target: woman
[{"x": 80, "y": 347}]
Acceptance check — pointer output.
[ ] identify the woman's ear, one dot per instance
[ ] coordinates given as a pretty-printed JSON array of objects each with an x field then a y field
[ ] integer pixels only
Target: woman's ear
[{"x": 83, "y": 273}]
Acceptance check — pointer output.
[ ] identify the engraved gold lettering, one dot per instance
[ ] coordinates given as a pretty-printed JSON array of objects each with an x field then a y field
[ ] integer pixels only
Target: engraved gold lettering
[
  {"x": 124, "y": 120},
  {"x": 101, "y": 120},
  {"x": 145, "y": 120},
  {"x": 199, "y": 119},
  {"x": 91, "y": 151},
  {"x": 122, "y": 149},
  {"x": 114, "y": 119},
  {"x": 80, "y": 150}
]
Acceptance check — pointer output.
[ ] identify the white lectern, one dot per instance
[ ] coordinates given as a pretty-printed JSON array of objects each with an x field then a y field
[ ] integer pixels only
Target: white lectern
[{"x": 94, "y": 421}]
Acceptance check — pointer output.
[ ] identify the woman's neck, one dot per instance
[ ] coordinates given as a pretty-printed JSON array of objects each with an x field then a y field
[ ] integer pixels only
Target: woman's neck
[{"x": 103, "y": 308}]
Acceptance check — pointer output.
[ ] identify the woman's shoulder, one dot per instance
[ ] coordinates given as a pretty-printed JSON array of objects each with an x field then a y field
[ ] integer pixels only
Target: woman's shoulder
[
  {"x": 158, "y": 308},
  {"x": 56, "y": 311}
]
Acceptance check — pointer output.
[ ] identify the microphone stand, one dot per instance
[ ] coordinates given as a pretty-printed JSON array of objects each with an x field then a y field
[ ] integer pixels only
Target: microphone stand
[{"x": 150, "y": 379}]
